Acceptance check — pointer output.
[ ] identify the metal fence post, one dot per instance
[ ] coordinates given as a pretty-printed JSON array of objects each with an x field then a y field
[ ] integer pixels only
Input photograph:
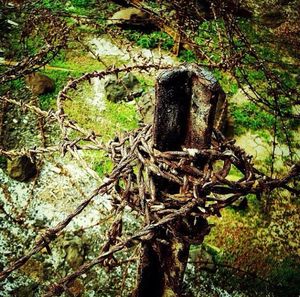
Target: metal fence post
[{"x": 186, "y": 104}]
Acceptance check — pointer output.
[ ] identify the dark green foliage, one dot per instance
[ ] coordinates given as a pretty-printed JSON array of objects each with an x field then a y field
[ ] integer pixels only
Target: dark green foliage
[
  {"x": 227, "y": 82},
  {"x": 187, "y": 56},
  {"x": 17, "y": 84},
  {"x": 53, "y": 5},
  {"x": 80, "y": 7},
  {"x": 81, "y": 3},
  {"x": 250, "y": 116},
  {"x": 150, "y": 40},
  {"x": 287, "y": 275}
]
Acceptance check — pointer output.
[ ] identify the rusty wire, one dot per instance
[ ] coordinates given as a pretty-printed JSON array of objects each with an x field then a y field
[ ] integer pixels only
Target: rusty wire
[{"x": 203, "y": 191}]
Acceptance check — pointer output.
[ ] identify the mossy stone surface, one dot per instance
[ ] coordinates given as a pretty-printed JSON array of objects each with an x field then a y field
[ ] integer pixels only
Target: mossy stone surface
[{"x": 21, "y": 168}]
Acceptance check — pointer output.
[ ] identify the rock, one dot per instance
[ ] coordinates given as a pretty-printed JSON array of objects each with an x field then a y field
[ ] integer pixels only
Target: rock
[
  {"x": 74, "y": 257},
  {"x": 128, "y": 16},
  {"x": 39, "y": 83},
  {"x": 130, "y": 80},
  {"x": 146, "y": 106},
  {"x": 74, "y": 249},
  {"x": 21, "y": 168},
  {"x": 115, "y": 92},
  {"x": 123, "y": 89}
]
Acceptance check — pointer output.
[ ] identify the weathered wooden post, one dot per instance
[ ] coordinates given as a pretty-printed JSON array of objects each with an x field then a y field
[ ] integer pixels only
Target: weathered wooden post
[{"x": 186, "y": 104}]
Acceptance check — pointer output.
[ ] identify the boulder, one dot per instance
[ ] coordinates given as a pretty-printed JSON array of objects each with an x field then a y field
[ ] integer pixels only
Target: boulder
[
  {"x": 21, "y": 168},
  {"x": 130, "y": 80},
  {"x": 128, "y": 16},
  {"x": 115, "y": 92},
  {"x": 122, "y": 89},
  {"x": 39, "y": 83}
]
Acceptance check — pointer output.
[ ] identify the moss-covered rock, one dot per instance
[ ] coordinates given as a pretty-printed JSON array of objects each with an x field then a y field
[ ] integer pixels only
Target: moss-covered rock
[
  {"x": 121, "y": 89},
  {"x": 39, "y": 83},
  {"x": 21, "y": 168}
]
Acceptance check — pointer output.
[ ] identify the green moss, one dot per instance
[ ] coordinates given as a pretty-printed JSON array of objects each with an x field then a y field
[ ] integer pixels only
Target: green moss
[
  {"x": 102, "y": 165},
  {"x": 234, "y": 174},
  {"x": 115, "y": 119},
  {"x": 77, "y": 60},
  {"x": 60, "y": 78},
  {"x": 119, "y": 117},
  {"x": 80, "y": 7},
  {"x": 17, "y": 84},
  {"x": 227, "y": 82}
]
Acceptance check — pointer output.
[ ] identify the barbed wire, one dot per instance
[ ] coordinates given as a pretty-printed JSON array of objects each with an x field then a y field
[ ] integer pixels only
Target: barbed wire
[{"x": 204, "y": 190}]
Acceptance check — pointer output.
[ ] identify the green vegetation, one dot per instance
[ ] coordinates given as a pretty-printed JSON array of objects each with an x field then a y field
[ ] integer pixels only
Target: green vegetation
[
  {"x": 287, "y": 275},
  {"x": 250, "y": 116},
  {"x": 102, "y": 164},
  {"x": 3, "y": 161},
  {"x": 73, "y": 6},
  {"x": 60, "y": 78},
  {"x": 150, "y": 40},
  {"x": 115, "y": 119},
  {"x": 187, "y": 56}
]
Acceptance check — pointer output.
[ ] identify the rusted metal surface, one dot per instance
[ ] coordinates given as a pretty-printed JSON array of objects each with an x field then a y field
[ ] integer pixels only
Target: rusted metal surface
[
  {"x": 186, "y": 104},
  {"x": 188, "y": 100}
]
